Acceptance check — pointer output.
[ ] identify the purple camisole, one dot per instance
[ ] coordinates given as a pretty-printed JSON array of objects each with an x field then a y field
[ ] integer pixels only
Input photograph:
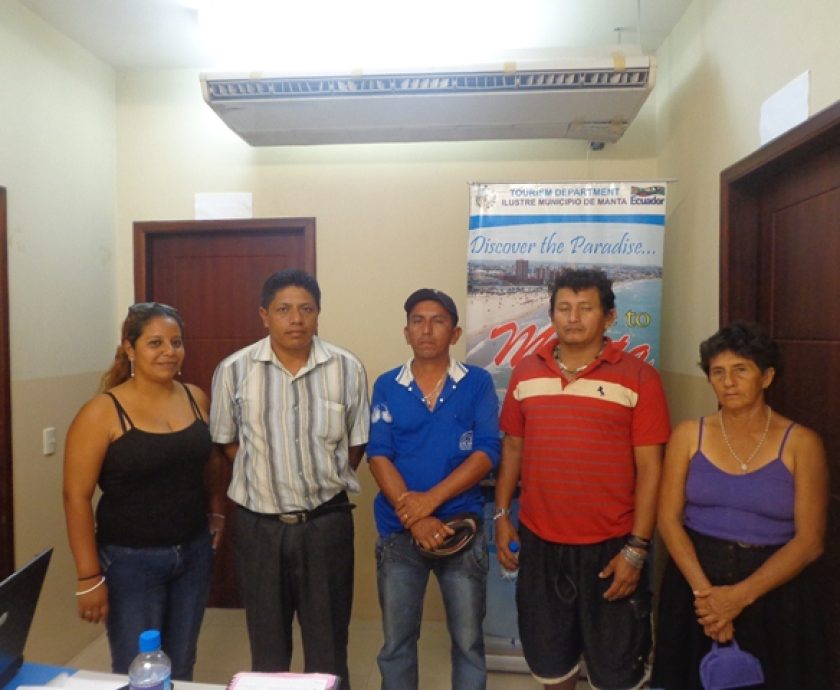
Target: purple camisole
[{"x": 754, "y": 508}]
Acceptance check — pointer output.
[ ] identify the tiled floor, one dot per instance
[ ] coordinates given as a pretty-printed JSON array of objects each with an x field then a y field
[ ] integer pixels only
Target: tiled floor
[{"x": 223, "y": 650}]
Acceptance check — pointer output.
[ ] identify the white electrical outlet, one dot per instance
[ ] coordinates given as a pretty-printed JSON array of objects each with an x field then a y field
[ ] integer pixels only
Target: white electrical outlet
[{"x": 48, "y": 437}]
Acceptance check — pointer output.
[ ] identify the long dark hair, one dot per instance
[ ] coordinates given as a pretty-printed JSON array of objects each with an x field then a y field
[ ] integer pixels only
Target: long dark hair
[{"x": 138, "y": 316}]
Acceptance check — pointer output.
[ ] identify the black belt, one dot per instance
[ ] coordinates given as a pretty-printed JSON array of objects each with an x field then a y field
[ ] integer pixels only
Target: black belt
[
  {"x": 731, "y": 544},
  {"x": 297, "y": 517}
]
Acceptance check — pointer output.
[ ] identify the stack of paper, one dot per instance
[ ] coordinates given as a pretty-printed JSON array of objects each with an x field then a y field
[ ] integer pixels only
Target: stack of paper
[{"x": 283, "y": 681}]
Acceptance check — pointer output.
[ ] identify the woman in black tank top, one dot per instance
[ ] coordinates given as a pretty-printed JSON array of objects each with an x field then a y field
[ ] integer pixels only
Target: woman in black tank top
[{"x": 145, "y": 558}]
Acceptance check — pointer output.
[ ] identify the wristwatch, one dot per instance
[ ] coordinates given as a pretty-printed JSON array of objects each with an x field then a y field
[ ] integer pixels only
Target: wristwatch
[{"x": 500, "y": 512}]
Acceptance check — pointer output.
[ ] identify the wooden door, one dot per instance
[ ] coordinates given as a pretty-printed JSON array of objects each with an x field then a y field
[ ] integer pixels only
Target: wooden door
[
  {"x": 212, "y": 272},
  {"x": 780, "y": 265}
]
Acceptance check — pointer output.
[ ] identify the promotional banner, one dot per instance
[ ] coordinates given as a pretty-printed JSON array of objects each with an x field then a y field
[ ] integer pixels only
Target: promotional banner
[{"x": 522, "y": 235}]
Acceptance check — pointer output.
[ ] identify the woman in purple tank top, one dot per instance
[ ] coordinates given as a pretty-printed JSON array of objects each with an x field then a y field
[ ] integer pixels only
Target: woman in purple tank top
[{"x": 742, "y": 511}]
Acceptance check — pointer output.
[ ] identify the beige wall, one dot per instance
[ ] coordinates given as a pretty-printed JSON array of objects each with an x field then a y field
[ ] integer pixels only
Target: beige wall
[
  {"x": 58, "y": 164},
  {"x": 389, "y": 217},
  {"x": 58, "y": 144},
  {"x": 57, "y": 633}
]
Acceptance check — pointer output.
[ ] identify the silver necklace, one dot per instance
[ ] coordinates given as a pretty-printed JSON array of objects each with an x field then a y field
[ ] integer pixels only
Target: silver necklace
[
  {"x": 580, "y": 368},
  {"x": 745, "y": 464},
  {"x": 430, "y": 398}
]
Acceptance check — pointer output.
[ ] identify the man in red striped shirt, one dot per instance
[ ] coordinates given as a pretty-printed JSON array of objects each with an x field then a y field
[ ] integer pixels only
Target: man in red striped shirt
[{"x": 585, "y": 424}]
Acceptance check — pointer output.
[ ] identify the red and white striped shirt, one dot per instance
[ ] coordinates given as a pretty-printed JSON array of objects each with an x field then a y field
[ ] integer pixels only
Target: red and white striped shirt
[{"x": 578, "y": 474}]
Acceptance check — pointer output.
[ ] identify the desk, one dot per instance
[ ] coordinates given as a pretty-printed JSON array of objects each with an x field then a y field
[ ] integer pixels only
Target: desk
[{"x": 56, "y": 676}]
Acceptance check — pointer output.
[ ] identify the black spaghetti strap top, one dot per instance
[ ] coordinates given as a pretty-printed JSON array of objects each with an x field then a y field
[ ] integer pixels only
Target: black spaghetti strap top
[
  {"x": 125, "y": 420},
  {"x": 153, "y": 484}
]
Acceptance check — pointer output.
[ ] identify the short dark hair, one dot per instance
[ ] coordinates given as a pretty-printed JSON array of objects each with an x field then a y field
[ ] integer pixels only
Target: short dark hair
[
  {"x": 424, "y": 294},
  {"x": 577, "y": 279},
  {"x": 745, "y": 338},
  {"x": 283, "y": 279}
]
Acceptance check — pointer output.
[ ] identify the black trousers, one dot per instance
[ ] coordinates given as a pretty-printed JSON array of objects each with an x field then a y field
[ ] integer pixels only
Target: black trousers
[{"x": 304, "y": 569}]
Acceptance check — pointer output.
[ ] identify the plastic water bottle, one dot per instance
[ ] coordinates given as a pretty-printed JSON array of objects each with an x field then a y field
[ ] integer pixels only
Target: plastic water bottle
[
  {"x": 511, "y": 575},
  {"x": 151, "y": 668}
]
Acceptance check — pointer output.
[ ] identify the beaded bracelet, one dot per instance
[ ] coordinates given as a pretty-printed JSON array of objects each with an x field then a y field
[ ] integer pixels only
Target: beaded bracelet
[{"x": 90, "y": 589}]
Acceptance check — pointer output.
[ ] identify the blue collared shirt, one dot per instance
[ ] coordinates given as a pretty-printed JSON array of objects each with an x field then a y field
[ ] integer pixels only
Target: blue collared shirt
[{"x": 426, "y": 446}]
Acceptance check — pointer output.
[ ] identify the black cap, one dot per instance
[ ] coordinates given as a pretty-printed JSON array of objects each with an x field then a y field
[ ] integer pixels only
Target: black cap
[{"x": 441, "y": 298}]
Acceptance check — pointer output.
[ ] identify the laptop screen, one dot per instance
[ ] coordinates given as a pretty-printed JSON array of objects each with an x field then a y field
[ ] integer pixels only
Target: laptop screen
[{"x": 18, "y": 596}]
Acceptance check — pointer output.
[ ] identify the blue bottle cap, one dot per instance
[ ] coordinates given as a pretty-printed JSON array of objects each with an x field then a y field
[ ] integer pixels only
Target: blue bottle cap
[
  {"x": 514, "y": 546},
  {"x": 149, "y": 641}
]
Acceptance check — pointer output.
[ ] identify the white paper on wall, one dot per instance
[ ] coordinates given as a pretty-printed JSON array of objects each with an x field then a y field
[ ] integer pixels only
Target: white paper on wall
[
  {"x": 219, "y": 206},
  {"x": 786, "y": 108}
]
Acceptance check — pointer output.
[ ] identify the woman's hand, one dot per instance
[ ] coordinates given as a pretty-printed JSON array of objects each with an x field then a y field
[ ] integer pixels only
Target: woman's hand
[
  {"x": 716, "y": 609},
  {"x": 717, "y": 606},
  {"x": 93, "y": 606},
  {"x": 720, "y": 633}
]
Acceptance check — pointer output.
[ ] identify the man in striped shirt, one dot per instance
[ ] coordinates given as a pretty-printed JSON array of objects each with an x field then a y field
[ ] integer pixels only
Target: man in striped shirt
[
  {"x": 585, "y": 424},
  {"x": 291, "y": 412}
]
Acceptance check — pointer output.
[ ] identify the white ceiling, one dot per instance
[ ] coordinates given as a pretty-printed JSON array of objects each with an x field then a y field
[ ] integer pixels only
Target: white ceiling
[{"x": 160, "y": 34}]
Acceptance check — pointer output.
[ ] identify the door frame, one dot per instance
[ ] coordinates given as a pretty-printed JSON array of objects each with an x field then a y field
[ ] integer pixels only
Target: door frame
[
  {"x": 145, "y": 233},
  {"x": 7, "y": 513},
  {"x": 741, "y": 186}
]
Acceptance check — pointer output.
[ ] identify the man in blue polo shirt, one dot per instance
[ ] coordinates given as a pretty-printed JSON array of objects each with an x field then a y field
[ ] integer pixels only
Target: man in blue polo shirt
[{"x": 434, "y": 436}]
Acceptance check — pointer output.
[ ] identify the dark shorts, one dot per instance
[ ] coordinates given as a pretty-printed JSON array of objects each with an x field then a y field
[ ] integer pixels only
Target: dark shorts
[{"x": 563, "y": 615}]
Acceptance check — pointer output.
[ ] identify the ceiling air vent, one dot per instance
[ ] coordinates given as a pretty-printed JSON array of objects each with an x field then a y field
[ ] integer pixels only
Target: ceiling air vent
[{"x": 594, "y": 101}]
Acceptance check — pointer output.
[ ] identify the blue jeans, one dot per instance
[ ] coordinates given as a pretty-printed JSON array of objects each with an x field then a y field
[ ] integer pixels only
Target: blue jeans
[
  {"x": 402, "y": 574},
  {"x": 163, "y": 588}
]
